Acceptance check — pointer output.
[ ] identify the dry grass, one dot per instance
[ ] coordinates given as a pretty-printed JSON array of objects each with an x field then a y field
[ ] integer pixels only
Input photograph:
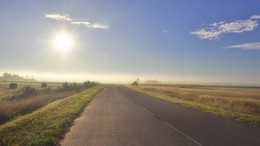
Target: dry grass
[
  {"x": 13, "y": 108},
  {"x": 5, "y": 93},
  {"x": 238, "y": 99},
  {"x": 30, "y": 97},
  {"x": 46, "y": 126}
]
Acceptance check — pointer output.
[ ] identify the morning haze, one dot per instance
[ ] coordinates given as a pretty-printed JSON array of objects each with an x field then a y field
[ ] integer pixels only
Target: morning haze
[
  {"x": 175, "y": 42},
  {"x": 135, "y": 73}
]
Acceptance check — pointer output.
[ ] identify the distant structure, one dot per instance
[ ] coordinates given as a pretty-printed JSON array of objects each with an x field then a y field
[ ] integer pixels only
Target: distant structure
[{"x": 136, "y": 82}]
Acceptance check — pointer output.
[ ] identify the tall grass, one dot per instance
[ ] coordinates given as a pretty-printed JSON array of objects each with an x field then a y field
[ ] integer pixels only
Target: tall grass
[
  {"x": 245, "y": 109},
  {"x": 211, "y": 98},
  {"x": 46, "y": 126},
  {"x": 28, "y": 99},
  {"x": 13, "y": 108}
]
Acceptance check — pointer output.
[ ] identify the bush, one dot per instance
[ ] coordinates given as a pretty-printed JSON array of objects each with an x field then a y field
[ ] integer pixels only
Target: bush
[
  {"x": 88, "y": 84},
  {"x": 75, "y": 86},
  {"x": 44, "y": 85},
  {"x": 65, "y": 86},
  {"x": 26, "y": 91},
  {"x": 46, "y": 90},
  {"x": 13, "y": 86}
]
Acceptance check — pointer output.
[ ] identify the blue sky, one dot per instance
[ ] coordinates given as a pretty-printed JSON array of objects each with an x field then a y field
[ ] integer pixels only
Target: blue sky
[{"x": 176, "y": 41}]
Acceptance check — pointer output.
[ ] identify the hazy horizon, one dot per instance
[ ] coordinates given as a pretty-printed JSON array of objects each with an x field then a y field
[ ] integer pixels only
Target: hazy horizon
[{"x": 183, "y": 42}]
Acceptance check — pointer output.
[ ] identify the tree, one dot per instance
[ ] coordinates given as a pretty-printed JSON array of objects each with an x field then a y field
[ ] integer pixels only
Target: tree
[
  {"x": 7, "y": 76},
  {"x": 65, "y": 85}
]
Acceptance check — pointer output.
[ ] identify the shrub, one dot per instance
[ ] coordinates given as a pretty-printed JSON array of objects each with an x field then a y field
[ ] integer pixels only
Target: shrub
[
  {"x": 65, "y": 86},
  {"x": 46, "y": 90},
  {"x": 88, "y": 84},
  {"x": 26, "y": 91},
  {"x": 75, "y": 86},
  {"x": 13, "y": 86}
]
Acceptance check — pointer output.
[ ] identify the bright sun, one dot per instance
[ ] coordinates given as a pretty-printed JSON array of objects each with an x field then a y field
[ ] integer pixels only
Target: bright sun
[{"x": 63, "y": 42}]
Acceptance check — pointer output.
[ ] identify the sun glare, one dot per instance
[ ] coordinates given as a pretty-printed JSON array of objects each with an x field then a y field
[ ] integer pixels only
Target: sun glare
[{"x": 63, "y": 42}]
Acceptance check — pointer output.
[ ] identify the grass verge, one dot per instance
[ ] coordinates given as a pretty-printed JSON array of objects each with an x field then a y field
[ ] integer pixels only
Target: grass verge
[
  {"x": 48, "y": 124},
  {"x": 247, "y": 118}
]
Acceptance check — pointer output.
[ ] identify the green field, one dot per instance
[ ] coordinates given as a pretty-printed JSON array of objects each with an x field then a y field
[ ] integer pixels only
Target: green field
[{"x": 239, "y": 103}]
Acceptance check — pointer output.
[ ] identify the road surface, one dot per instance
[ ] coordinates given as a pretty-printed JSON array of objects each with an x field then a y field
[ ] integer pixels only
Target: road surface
[{"x": 119, "y": 116}]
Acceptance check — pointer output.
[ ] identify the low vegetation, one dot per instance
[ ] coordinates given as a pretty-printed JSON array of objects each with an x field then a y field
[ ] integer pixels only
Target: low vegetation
[
  {"x": 11, "y": 109},
  {"x": 239, "y": 103},
  {"x": 28, "y": 99},
  {"x": 46, "y": 125}
]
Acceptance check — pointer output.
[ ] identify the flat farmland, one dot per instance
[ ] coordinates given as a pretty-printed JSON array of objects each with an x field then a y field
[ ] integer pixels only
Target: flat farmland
[
  {"x": 5, "y": 92},
  {"x": 226, "y": 101},
  {"x": 30, "y": 96}
]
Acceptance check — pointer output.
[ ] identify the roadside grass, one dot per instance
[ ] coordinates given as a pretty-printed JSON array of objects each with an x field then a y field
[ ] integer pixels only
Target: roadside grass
[
  {"x": 28, "y": 99},
  {"x": 13, "y": 108},
  {"x": 244, "y": 110},
  {"x": 47, "y": 125}
]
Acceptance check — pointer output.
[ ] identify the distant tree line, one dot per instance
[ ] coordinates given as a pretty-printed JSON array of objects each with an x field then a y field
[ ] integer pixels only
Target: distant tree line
[
  {"x": 149, "y": 82},
  {"x": 28, "y": 91},
  {"x": 76, "y": 86},
  {"x": 152, "y": 82},
  {"x": 15, "y": 77}
]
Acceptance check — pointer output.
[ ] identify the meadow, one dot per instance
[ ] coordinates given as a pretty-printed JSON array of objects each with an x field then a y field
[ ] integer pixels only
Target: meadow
[
  {"x": 239, "y": 103},
  {"x": 30, "y": 96},
  {"x": 5, "y": 92}
]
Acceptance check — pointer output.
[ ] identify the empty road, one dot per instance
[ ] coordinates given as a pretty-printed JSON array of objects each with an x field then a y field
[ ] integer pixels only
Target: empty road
[{"x": 119, "y": 116}]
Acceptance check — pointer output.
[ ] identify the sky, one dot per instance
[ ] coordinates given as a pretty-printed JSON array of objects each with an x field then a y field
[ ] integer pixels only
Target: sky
[{"x": 118, "y": 41}]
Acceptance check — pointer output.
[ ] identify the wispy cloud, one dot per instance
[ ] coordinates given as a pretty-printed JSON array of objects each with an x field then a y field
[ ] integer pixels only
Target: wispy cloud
[
  {"x": 255, "y": 17},
  {"x": 165, "y": 31},
  {"x": 96, "y": 25},
  {"x": 89, "y": 25},
  {"x": 219, "y": 29},
  {"x": 246, "y": 46},
  {"x": 72, "y": 21},
  {"x": 58, "y": 17}
]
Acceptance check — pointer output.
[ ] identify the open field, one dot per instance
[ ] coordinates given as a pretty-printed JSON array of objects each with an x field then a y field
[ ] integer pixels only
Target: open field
[
  {"x": 30, "y": 97},
  {"x": 240, "y": 103},
  {"x": 46, "y": 125},
  {"x": 5, "y": 92}
]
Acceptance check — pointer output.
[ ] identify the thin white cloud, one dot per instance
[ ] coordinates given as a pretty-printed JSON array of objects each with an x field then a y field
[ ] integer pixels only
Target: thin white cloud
[
  {"x": 74, "y": 22},
  {"x": 99, "y": 26},
  {"x": 255, "y": 17},
  {"x": 165, "y": 31},
  {"x": 219, "y": 29},
  {"x": 80, "y": 22},
  {"x": 58, "y": 17},
  {"x": 246, "y": 46},
  {"x": 89, "y": 25}
]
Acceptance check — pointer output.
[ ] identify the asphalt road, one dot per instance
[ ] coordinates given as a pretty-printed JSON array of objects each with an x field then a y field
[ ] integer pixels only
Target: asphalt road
[{"x": 119, "y": 116}]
